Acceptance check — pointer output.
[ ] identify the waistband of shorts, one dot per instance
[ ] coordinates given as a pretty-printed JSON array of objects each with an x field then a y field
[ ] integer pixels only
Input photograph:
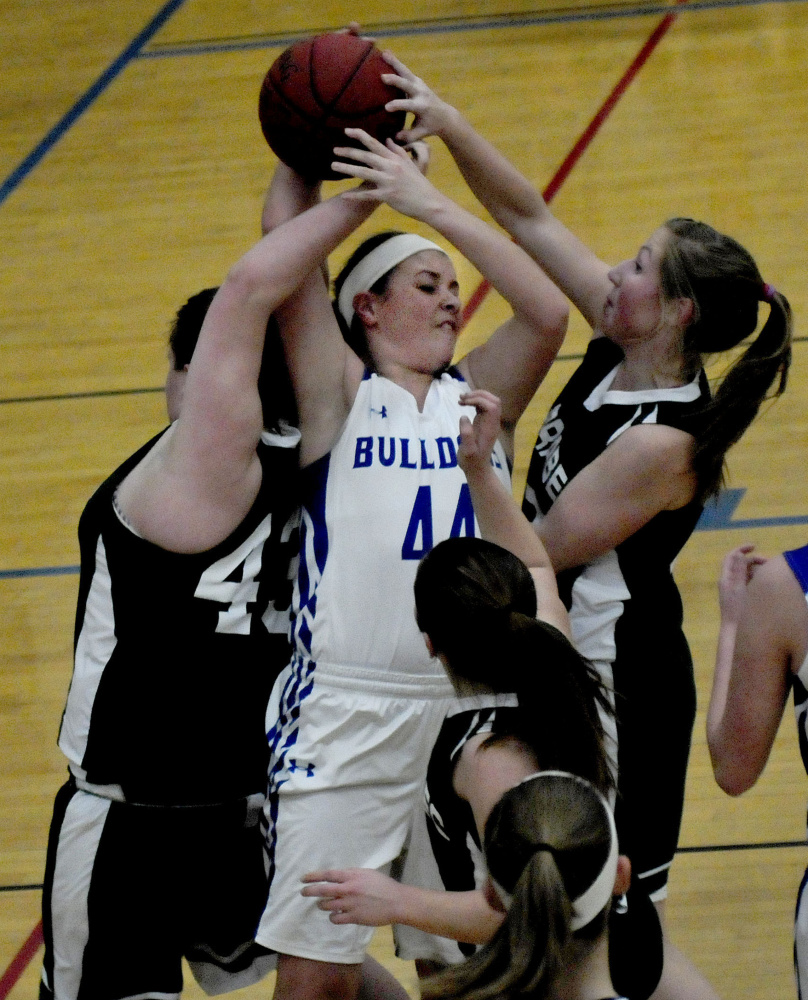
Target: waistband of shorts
[
  {"x": 352, "y": 677},
  {"x": 114, "y": 793}
]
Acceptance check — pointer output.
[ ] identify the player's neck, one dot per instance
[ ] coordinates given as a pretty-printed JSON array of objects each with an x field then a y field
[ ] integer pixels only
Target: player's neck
[
  {"x": 587, "y": 977},
  {"x": 416, "y": 383}
]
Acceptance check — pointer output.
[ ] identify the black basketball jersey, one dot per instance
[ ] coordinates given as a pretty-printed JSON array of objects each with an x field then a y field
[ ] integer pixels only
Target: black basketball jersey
[
  {"x": 175, "y": 654},
  {"x": 585, "y": 418},
  {"x": 450, "y": 821}
]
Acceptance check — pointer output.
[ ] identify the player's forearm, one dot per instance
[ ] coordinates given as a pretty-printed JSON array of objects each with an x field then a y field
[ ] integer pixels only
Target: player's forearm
[
  {"x": 515, "y": 276},
  {"x": 500, "y": 519},
  {"x": 495, "y": 181},
  {"x": 716, "y": 710},
  {"x": 276, "y": 265},
  {"x": 461, "y": 916}
]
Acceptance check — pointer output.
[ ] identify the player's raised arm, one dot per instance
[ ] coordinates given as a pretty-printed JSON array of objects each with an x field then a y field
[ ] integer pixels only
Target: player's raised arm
[
  {"x": 517, "y": 356},
  {"x": 197, "y": 483},
  {"x": 508, "y": 195}
]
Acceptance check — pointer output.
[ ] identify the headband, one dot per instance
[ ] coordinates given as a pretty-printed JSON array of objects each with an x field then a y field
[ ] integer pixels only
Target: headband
[
  {"x": 376, "y": 264},
  {"x": 592, "y": 900}
]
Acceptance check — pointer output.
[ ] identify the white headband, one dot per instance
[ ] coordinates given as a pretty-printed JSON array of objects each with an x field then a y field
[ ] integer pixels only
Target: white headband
[
  {"x": 589, "y": 904},
  {"x": 377, "y": 263}
]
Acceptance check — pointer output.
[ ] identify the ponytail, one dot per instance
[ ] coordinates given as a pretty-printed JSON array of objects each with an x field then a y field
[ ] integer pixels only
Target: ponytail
[
  {"x": 724, "y": 284},
  {"x": 527, "y": 953},
  {"x": 742, "y": 390},
  {"x": 562, "y": 703},
  {"x": 549, "y": 843},
  {"x": 477, "y": 603}
]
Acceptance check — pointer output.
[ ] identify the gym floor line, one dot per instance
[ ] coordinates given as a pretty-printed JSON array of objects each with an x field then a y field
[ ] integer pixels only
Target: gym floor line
[
  {"x": 530, "y": 19},
  {"x": 693, "y": 849},
  {"x": 683, "y": 850}
]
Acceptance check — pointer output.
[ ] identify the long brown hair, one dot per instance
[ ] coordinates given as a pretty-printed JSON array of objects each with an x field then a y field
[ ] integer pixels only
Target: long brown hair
[
  {"x": 477, "y": 603},
  {"x": 725, "y": 285}
]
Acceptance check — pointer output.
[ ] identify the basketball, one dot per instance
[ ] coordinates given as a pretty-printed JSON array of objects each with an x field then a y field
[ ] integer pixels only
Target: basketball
[{"x": 317, "y": 88}]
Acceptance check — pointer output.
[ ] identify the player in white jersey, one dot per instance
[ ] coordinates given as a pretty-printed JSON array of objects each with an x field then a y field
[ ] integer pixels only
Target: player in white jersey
[
  {"x": 762, "y": 652},
  {"x": 352, "y": 721},
  {"x": 689, "y": 291}
]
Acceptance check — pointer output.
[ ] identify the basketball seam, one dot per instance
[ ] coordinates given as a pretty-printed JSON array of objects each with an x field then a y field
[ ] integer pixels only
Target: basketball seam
[
  {"x": 293, "y": 107},
  {"x": 329, "y": 107}
]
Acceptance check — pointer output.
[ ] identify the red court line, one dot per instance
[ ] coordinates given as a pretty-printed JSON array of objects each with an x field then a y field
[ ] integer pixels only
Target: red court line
[
  {"x": 20, "y": 961},
  {"x": 586, "y": 137}
]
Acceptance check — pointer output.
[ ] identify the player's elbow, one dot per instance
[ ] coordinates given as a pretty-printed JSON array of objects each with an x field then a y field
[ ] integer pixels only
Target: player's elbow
[
  {"x": 559, "y": 316},
  {"x": 732, "y": 776},
  {"x": 250, "y": 282}
]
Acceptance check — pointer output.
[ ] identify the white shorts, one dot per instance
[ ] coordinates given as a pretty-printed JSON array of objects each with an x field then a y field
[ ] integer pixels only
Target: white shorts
[{"x": 349, "y": 755}]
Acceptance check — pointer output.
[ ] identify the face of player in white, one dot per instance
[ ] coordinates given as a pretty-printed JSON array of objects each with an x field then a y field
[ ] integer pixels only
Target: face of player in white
[
  {"x": 415, "y": 322},
  {"x": 634, "y": 307}
]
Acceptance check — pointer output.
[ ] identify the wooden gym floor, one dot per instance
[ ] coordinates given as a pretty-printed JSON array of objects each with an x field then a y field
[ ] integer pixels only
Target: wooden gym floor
[{"x": 132, "y": 170}]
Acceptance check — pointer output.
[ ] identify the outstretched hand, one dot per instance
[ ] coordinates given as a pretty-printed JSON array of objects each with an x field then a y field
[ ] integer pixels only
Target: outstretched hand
[
  {"x": 477, "y": 439},
  {"x": 431, "y": 113},
  {"x": 737, "y": 570},
  {"x": 355, "y": 895},
  {"x": 389, "y": 172}
]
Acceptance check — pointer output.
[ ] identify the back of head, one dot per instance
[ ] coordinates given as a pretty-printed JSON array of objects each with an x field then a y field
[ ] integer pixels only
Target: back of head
[
  {"x": 477, "y": 603},
  {"x": 551, "y": 850},
  {"x": 725, "y": 285},
  {"x": 186, "y": 326},
  {"x": 274, "y": 384},
  {"x": 469, "y": 593}
]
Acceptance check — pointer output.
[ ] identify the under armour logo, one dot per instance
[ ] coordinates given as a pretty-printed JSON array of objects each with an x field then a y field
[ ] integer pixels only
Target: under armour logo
[
  {"x": 382, "y": 412},
  {"x": 293, "y": 766}
]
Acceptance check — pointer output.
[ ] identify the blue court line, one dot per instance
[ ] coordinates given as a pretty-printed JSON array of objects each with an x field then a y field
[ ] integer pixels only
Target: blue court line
[
  {"x": 17, "y": 574},
  {"x": 440, "y": 26},
  {"x": 717, "y": 516},
  {"x": 129, "y": 53},
  {"x": 719, "y": 512}
]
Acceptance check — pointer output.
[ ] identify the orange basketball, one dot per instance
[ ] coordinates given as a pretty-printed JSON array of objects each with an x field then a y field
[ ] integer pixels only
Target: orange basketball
[{"x": 316, "y": 89}]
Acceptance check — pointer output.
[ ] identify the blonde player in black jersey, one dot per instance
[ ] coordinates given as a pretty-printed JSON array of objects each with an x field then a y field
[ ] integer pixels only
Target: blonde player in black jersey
[{"x": 625, "y": 459}]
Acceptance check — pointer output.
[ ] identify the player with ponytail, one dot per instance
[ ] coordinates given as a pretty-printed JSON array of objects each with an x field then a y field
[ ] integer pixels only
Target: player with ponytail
[
  {"x": 630, "y": 450},
  {"x": 553, "y": 866}
]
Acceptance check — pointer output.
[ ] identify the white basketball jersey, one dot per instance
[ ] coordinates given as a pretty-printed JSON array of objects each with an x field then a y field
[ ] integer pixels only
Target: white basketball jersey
[{"x": 388, "y": 491}]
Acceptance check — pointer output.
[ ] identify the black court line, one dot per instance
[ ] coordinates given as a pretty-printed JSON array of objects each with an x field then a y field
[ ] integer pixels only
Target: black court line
[
  {"x": 143, "y": 390},
  {"x": 437, "y": 26},
  {"x": 95, "y": 394},
  {"x": 707, "y": 849},
  {"x": 712, "y": 848},
  {"x": 98, "y": 87}
]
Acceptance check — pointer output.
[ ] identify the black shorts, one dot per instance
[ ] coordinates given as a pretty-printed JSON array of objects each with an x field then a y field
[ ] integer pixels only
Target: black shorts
[
  {"x": 656, "y": 709},
  {"x": 129, "y": 890}
]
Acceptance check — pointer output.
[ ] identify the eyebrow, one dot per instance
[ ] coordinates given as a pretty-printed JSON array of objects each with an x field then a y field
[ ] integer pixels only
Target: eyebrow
[{"x": 435, "y": 276}]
